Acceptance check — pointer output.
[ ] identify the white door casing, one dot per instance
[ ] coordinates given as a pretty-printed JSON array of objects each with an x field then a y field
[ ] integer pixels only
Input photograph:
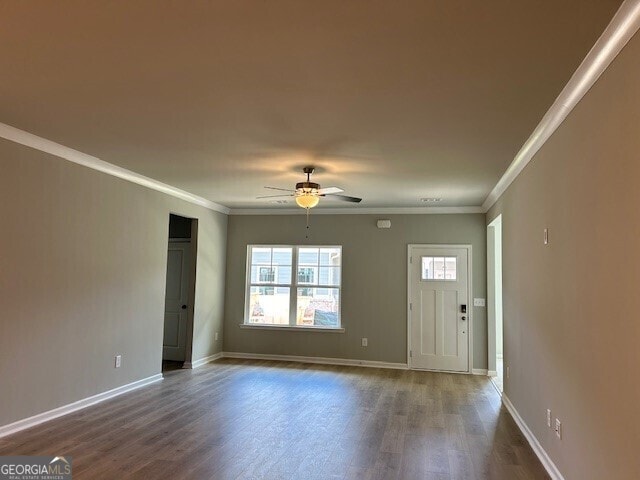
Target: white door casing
[
  {"x": 176, "y": 302},
  {"x": 439, "y": 332}
]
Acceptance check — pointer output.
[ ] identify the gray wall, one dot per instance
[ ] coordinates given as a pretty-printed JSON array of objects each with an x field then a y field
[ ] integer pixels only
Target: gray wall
[
  {"x": 82, "y": 278},
  {"x": 374, "y": 288},
  {"x": 571, "y": 325}
]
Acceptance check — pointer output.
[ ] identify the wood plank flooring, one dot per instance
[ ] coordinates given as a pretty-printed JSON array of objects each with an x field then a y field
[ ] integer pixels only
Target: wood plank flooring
[{"x": 237, "y": 419}]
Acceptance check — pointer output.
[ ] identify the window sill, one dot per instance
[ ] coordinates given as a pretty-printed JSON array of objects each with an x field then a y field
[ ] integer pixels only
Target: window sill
[{"x": 296, "y": 328}]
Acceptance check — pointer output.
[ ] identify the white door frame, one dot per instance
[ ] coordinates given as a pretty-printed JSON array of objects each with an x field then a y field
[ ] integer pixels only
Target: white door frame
[
  {"x": 493, "y": 228},
  {"x": 469, "y": 297}
]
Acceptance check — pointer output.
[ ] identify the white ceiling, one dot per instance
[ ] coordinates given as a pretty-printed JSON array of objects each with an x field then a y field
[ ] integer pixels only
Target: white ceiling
[{"x": 392, "y": 101}]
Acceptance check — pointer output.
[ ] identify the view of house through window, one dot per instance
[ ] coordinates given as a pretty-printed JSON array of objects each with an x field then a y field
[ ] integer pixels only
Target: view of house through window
[{"x": 311, "y": 297}]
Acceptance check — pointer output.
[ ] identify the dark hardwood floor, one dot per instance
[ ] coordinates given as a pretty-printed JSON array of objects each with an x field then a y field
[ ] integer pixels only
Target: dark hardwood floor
[{"x": 236, "y": 419}]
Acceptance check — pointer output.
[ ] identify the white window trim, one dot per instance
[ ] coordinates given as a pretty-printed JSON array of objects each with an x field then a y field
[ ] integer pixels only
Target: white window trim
[
  {"x": 257, "y": 326},
  {"x": 293, "y": 291}
]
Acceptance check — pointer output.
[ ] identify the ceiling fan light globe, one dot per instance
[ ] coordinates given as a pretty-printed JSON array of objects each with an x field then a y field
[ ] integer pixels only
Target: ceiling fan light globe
[{"x": 307, "y": 200}]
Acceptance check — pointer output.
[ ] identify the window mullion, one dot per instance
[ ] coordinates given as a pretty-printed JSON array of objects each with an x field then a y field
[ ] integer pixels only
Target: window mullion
[{"x": 293, "y": 290}]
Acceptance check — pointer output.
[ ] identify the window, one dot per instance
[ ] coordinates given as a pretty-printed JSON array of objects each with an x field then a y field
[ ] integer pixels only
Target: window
[
  {"x": 439, "y": 268},
  {"x": 309, "y": 298}
]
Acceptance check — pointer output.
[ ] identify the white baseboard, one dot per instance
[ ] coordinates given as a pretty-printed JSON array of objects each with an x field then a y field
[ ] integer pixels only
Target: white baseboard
[
  {"x": 495, "y": 385},
  {"x": 320, "y": 360},
  {"x": 203, "y": 361},
  {"x": 548, "y": 464},
  {"x": 72, "y": 407},
  {"x": 479, "y": 371}
]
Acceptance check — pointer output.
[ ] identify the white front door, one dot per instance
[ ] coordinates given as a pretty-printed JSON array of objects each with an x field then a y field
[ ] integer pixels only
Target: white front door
[
  {"x": 439, "y": 308},
  {"x": 176, "y": 309}
]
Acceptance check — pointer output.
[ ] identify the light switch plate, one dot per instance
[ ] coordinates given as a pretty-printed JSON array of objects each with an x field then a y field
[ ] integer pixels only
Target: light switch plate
[
  {"x": 118, "y": 361},
  {"x": 479, "y": 302}
]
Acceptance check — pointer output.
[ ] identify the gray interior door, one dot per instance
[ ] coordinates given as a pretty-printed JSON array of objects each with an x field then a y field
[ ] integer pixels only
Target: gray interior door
[{"x": 176, "y": 298}]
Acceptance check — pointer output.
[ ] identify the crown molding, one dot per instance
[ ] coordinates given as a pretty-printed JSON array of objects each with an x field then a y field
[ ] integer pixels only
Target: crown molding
[
  {"x": 623, "y": 26},
  {"x": 357, "y": 211},
  {"x": 47, "y": 146}
]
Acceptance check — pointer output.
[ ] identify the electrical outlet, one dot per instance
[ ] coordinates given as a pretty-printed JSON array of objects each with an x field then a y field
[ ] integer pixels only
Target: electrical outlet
[
  {"x": 507, "y": 374},
  {"x": 479, "y": 302},
  {"x": 215, "y": 337},
  {"x": 558, "y": 429},
  {"x": 549, "y": 417},
  {"x": 365, "y": 342},
  {"x": 118, "y": 361}
]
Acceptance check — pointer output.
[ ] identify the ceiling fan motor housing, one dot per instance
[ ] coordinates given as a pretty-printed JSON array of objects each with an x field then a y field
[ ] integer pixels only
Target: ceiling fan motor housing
[{"x": 307, "y": 186}]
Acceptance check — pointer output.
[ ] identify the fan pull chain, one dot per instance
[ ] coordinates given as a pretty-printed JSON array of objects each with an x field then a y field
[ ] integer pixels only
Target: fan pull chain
[{"x": 307, "y": 235}]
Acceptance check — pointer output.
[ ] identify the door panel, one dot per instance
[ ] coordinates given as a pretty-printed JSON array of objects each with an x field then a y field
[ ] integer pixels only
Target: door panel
[
  {"x": 175, "y": 261},
  {"x": 176, "y": 317},
  {"x": 438, "y": 287},
  {"x": 450, "y": 324},
  {"x": 427, "y": 325},
  {"x": 171, "y": 330}
]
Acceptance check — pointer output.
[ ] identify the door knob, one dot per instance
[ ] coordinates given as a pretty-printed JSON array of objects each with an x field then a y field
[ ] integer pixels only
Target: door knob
[
  {"x": 464, "y": 318},
  {"x": 184, "y": 307}
]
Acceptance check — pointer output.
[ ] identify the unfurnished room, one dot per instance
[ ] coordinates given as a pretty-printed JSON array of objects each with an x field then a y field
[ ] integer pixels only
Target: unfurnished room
[{"x": 319, "y": 240}]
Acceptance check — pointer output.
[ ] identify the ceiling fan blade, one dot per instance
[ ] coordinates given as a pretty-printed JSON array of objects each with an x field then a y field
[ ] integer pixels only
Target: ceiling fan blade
[
  {"x": 281, "y": 189},
  {"x": 345, "y": 198},
  {"x": 330, "y": 190},
  {"x": 274, "y": 196}
]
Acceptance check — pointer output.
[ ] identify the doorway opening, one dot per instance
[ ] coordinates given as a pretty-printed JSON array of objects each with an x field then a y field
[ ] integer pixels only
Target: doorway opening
[
  {"x": 494, "y": 293},
  {"x": 177, "y": 338}
]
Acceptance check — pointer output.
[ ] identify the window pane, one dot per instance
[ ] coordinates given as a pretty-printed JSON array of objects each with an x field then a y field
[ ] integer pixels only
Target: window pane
[
  {"x": 269, "y": 305},
  {"x": 308, "y": 275},
  {"x": 438, "y": 268},
  {"x": 282, "y": 256},
  {"x": 283, "y": 275},
  {"x": 318, "y": 307},
  {"x": 329, "y": 276},
  {"x": 330, "y": 256},
  {"x": 266, "y": 274},
  {"x": 427, "y": 268},
  {"x": 271, "y": 265},
  {"x": 450, "y": 268},
  {"x": 260, "y": 256},
  {"x": 308, "y": 256}
]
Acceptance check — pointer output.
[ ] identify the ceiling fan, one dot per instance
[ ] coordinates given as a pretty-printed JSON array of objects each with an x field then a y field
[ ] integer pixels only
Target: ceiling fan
[{"x": 307, "y": 194}]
